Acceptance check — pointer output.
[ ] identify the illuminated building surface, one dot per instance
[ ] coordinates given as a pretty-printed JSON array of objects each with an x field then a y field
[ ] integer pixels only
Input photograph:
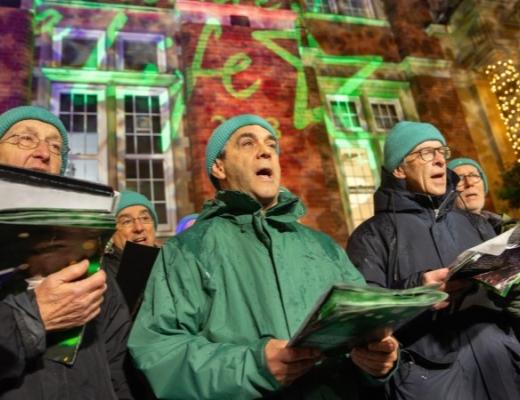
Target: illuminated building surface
[{"x": 141, "y": 85}]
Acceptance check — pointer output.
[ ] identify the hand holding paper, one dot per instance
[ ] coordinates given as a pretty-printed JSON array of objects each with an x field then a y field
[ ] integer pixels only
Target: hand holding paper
[
  {"x": 288, "y": 364},
  {"x": 66, "y": 301},
  {"x": 440, "y": 277},
  {"x": 376, "y": 358}
]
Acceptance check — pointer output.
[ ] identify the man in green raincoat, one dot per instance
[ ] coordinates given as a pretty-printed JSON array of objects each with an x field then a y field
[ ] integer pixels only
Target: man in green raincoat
[{"x": 225, "y": 295}]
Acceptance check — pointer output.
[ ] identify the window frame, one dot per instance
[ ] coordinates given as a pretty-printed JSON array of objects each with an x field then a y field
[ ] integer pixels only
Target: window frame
[
  {"x": 102, "y": 154},
  {"x": 77, "y": 33},
  {"x": 384, "y": 101},
  {"x": 166, "y": 156},
  {"x": 359, "y": 108},
  {"x": 157, "y": 39}
]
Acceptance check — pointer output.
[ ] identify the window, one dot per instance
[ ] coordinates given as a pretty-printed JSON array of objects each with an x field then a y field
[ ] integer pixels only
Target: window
[
  {"x": 141, "y": 52},
  {"x": 346, "y": 113},
  {"x": 349, "y": 115},
  {"x": 79, "y": 48},
  {"x": 239, "y": 20},
  {"x": 355, "y": 8},
  {"x": 143, "y": 122},
  {"x": 80, "y": 111},
  {"x": 386, "y": 114},
  {"x": 360, "y": 124},
  {"x": 359, "y": 183}
]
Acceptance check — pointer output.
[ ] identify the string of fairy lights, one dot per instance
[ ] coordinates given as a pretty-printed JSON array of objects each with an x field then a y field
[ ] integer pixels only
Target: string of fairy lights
[{"x": 504, "y": 80}]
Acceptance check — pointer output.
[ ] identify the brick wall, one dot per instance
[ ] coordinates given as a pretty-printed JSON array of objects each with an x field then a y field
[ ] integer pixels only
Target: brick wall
[
  {"x": 306, "y": 158},
  {"x": 437, "y": 102},
  {"x": 16, "y": 58},
  {"x": 340, "y": 39},
  {"x": 409, "y": 28}
]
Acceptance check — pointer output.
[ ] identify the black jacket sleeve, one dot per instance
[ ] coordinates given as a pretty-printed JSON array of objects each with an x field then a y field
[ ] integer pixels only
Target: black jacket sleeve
[
  {"x": 22, "y": 336},
  {"x": 372, "y": 248},
  {"x": 115, "y": 329}
]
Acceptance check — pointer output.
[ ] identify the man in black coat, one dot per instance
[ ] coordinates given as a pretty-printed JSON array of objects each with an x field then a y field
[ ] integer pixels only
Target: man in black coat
[
  {"x": 33, "y": 138},
  {"x": 460, "y": 350}
]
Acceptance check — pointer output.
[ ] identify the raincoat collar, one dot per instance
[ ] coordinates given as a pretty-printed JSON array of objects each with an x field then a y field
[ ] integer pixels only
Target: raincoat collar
[{"x": 237, "y": 205}]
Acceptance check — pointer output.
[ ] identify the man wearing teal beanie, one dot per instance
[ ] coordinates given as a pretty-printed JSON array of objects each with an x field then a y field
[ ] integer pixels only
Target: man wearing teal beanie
[
  {"x": 33, "y": 319},
  {"x": 136, "y": 221},
  {"x": 225, "y": 295},
  {"x": 472, "y": 186},
  {"x": 459, "y": 162},
  {"x": 23, "y": 129},
  {"x": 472, "y": 189},
  {"x": 404, "y": 137},
  {"x": 221, "y": 135},
  {"x": 415, "y": 234}
]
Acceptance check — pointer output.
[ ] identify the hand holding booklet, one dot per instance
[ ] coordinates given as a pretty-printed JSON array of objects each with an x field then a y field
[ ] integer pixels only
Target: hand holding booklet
[
  {"x": 494, "y": 263},
  {"x": 349, "y": 316},
  {"x": 48, "y": 222}
]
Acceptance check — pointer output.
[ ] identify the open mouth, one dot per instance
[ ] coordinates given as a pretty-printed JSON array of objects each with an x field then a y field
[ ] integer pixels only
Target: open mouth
[
  {"x": 438, "y": 176},
  {"x": 265, "y": 173},
  {"x": 139, "y": 240}
]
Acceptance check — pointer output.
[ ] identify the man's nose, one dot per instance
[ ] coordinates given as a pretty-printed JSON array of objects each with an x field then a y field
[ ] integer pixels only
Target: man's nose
[
  {"x": 438, "y": 157},
  {"x": 138, "y": 225},
  {"x": 42, "y": 150},
  {"x": 265, "y": 151}
]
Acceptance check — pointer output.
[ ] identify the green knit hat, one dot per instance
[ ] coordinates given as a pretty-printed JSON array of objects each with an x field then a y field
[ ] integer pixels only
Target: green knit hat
[
  {"x": 403, "y": 138},
  {"x": 468, "y": 161},
  {"x": 129, "y": 198},
  {"x": 17, "y": 114},
  {"x": 223, "y": 132}
]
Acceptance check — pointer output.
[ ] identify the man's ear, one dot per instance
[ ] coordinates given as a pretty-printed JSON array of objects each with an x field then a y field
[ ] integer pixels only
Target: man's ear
[
  {"x": 218, "y": 170},
  {"x": 399, "y": 172}
]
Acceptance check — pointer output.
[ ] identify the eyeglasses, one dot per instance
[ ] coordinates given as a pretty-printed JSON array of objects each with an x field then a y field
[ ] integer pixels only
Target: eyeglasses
[
  {"x": 30, "y": 142},
  {"x": 470, "y": 179},
  {"x": 127, "y": 222},
  {"x": 428, "y": 153}
]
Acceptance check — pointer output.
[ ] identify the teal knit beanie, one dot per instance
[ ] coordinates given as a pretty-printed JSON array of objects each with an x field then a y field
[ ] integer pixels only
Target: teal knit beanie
[
  {"x": 129, "y": 198},
  {"x": 403, "y": 138},
  {"x": 17, "y": 114},
  {"x": 223, "y": 132},
  {"x": 468, "y": 161}
]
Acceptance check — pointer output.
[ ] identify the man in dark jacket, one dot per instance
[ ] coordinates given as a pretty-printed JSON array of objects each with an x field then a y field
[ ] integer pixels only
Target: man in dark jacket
[
  {"x": 136, "y": 222},
  {"x": 472, "y": 189},
  {"x": 33, "y": 138},
  {"x": 458, "y": 352},
  {"x": 225, "y": 295}
]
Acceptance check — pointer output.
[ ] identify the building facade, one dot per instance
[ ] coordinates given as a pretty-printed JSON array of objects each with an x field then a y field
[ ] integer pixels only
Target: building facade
[{"x": 141, "y": 85}]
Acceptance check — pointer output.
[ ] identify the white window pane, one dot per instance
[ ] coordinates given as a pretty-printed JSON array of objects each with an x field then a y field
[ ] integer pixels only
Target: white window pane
[
  {"x": 83, "y": 169},
  {"x": 76, "y": 143},
  {"x": 91, "y": 143}
]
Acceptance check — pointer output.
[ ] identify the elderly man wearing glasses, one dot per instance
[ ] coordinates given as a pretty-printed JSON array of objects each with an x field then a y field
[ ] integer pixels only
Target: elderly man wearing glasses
[
  {"x": 472, "y": 188},
  {"x": 416, "y": 232},
  {"x": 136, "y": 222},
  {"x": 33, "y": 138}
]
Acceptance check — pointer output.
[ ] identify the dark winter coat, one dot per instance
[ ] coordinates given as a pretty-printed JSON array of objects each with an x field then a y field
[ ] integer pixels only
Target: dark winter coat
[
  {"x": 410, "y": 234},
  {"x": 97, "y": 372}
]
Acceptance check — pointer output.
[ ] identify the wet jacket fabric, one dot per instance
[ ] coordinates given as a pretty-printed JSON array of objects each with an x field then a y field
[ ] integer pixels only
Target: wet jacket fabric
[
  {"x": 446, "y": 352},
  {"x": 97, "y": 372},
  {"x": 221, "y": 289}
]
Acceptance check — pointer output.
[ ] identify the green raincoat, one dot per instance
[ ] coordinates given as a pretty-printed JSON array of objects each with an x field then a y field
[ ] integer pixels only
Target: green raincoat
[{"x": 220, "y": 290}]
